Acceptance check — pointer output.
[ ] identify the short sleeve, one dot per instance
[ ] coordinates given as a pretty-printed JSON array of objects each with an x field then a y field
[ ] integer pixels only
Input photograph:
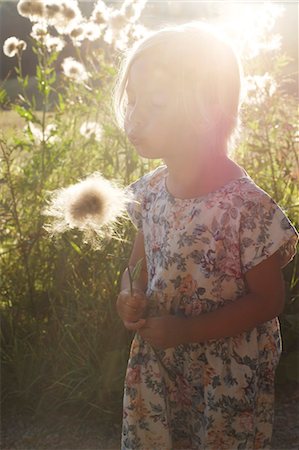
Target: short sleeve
[
  {"x": 134, "y": 205},
  {"x": 264, "y": 230},
  {"x": 141, "y": 194}
]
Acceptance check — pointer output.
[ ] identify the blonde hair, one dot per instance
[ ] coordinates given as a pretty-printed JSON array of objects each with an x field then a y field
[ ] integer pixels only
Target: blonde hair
[{"x": 207, "y": 69}]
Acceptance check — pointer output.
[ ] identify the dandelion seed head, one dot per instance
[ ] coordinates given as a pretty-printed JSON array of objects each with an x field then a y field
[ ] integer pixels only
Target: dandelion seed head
[
  {"x": 137, "y": 32},
  {"x": 13, "y": 46},
  {"x": 74, "y": 70},
  {"x": 92, "y": 31},
  {"x": 63, "y": 15},
  {"x": 39, "y": 31},
  {"x": 52, "y": 10},
  {"x": 77, "y": 32},
  {"x": 91, "y": 130},
  {"x": 89, "y": 203},
  {"x": 48, "y": 135},
  {"x": 70, "y": 10},
  {"x": 34, "y": 10},
  {"x": 117, "y": 20},
  {"x": 100, "y": 13},
  {"x": 21, "y": 46},
  {"x": 54, "y": 43},
  {"x": 132, "y": 9},
  {"x": 92, "y": 206},
  {"x": 10, "y": 47}
]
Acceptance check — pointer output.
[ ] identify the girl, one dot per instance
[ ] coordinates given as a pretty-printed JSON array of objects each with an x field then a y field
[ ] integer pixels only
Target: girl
[{"x": 202, "y": 362}]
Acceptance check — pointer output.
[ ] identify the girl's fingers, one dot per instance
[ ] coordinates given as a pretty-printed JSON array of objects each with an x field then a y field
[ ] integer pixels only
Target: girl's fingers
[{"x": 134, "y": 326}]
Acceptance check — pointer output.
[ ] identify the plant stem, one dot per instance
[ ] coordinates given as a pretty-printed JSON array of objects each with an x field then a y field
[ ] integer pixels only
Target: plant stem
[
  {"x": 15, "y": 215},
  {"x": 130, "y": 280}
]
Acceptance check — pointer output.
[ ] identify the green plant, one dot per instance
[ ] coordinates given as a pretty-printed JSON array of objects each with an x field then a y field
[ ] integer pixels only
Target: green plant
[{"x": 62, "y": 341}]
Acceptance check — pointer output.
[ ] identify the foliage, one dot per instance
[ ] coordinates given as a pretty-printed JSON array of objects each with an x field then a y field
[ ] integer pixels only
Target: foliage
[
  {"x": 62, "y": 342},
  {"x": 268, "y": 149}
]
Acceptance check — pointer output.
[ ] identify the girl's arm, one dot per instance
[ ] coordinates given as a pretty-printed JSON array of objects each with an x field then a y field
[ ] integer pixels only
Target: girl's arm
[{"x": 264, "y": 301}]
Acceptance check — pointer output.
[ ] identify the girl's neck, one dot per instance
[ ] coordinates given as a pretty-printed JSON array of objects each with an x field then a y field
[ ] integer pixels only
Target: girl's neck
[{"x": 195, "y": 175}]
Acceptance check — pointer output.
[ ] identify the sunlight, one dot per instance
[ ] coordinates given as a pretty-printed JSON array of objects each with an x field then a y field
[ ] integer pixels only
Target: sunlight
[{"x": 250, "y": 24}]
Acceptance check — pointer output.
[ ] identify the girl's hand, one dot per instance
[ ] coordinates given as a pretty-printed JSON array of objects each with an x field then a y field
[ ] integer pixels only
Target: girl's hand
[
  {"x": 131, "y": 308},
  {"x": 164, "y": 331}
]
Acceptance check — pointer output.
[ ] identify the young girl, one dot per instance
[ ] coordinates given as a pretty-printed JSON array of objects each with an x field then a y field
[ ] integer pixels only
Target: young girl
[{"x": 202, "y": 362}]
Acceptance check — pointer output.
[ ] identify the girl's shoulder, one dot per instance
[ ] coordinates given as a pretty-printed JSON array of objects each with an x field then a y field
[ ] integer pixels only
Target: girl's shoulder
[
  {"x": 248, "y": 192},
  {"x": 148, "y": 182},
  {"x": 256, "y": 207}
]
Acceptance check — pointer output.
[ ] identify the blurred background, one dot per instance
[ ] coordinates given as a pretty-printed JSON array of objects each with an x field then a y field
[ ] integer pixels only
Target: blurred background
[{"x": 64, "y": 350}]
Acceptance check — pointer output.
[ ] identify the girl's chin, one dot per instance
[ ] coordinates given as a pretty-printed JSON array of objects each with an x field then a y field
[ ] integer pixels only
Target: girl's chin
[{"x": 146, "y": 152}]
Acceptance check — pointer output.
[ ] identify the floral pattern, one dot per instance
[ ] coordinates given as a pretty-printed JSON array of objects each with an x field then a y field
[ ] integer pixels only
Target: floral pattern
[{"x": 217, "y": 394}]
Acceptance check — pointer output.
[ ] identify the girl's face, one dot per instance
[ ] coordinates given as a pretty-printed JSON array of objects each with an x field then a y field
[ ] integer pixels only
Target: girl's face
[{"x": 153, "y": 121}]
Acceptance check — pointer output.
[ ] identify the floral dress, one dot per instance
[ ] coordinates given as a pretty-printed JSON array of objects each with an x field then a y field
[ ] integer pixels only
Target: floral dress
[{"x": 216, "y": 394}]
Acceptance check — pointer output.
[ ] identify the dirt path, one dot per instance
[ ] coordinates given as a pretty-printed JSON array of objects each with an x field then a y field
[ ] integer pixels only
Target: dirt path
[{"x": 62, "y": 433}]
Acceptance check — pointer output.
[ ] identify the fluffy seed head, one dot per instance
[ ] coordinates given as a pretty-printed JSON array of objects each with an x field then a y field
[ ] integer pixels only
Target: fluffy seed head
[
  {"x": 100, "y": 13},
  {"x": 34, "y": 10},
  {"x": 39, "y": 31},
  {"x": 132, "y": 9},
  {"x": 92, "y": 31},
  {"x": 117, "y": 20},
  {"x": 91, "y": 130},
  {"x": 74, "y": 70},
  {"x": 54, "y": 43},
  {"x": 92, "y": 206},
  {"x": 13, "y": 46},
  {"x": 77, "y": 32},
  {"x": 49, "y": 134},
  {"x": 52, "y": 10},
  {"x": 89, "y": 203}
]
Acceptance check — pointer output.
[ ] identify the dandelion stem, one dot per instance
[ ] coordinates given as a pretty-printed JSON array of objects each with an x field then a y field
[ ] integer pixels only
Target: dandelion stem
[{"x": 130, "y": 280}]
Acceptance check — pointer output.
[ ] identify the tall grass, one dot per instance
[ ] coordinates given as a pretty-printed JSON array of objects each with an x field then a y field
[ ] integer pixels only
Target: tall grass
[{"x": 62, "y": 342}]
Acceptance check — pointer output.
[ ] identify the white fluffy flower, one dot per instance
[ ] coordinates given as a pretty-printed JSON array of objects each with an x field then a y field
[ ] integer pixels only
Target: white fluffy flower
[
  {"x": 48, "y": 135},
  {"x": 54, "y": 43},
  {"x": 13, "y": 46},
  {"x": 92, "y": 31},
  {"x": 68, "y": 14},
  {"x": 77, "y": 34},
  {"x": 85, "y": 30},
  {"x": 92, "y": 205},
  {"x": 137, "y": 32},
  {"x": 132, "y": 9},
  {"x": 39, "y": 31},
  {"x": 100, "y": 13},
  {"x": 32, "y": 9},
  {"x": 117, "y": 20},
  {"x": 61, "y": 14},
  {"x": 91, "y": 130},
  {"x": 74, "y": 70}
]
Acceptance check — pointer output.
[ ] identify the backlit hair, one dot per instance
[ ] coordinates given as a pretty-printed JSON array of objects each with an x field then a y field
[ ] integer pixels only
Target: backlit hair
[{"x": 206, "y": 67}]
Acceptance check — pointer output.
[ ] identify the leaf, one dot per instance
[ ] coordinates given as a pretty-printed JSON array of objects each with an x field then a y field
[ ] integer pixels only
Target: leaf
[
  {"x": 76, "y": 247},
  {"x": 3, "y": 96},
  {"x": 61, "y": 102},
  {"x": 25, "y": 81},
  {"x": 23, "y": 112}
]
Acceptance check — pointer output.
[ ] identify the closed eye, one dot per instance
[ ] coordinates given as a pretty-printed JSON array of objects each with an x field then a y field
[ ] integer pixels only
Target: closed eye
[{"x": 155, "y": 100}]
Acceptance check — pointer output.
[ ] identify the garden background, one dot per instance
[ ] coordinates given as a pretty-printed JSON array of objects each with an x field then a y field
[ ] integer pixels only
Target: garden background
[{"x": 64, "y": 349}]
